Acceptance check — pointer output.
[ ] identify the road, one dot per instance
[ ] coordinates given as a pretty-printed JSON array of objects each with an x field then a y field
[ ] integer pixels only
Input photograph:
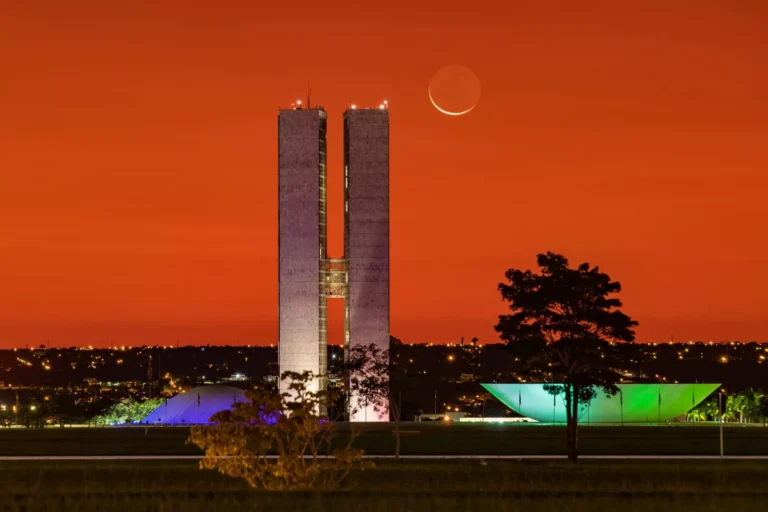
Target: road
[{"x": 22, "y": 458}]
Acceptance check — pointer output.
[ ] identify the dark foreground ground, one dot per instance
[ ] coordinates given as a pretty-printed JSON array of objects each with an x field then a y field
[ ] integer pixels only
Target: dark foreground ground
[
  {"x": 393, "y": 487},
  {"x": 417, "y": 439}
]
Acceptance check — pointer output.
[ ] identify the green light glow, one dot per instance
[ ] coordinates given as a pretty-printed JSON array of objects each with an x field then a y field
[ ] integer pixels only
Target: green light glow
[{"x": 636, "y": 403}]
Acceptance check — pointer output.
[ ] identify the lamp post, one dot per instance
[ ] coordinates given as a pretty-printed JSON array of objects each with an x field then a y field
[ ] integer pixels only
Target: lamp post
[
  {"x": 553, "y": 408},
  {"x": 658, "y": 410},
  {"x": 720, "y": 395},
  {"x": 621, "y": 405}
]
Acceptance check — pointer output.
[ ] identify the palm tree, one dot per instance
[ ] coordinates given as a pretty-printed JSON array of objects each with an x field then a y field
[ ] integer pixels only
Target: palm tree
[
  {"x": 707, "y": 410},
  {"x": 744, "y": 405},
  {"x": 739, "y": 404},
  {"x": 712, "y": 408},
  {"x": 698, "y": 413},
  {"x": 763, "y": 407},
  {"x": 752, "y": 409},
  {"x": 732, "y": 404}
]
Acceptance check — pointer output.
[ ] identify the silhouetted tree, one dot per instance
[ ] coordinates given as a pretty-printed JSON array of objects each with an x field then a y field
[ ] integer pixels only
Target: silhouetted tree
[
  {"x": 368, "y": 376},
  {"x": 763, "y": 407},
  {"x": 561, "y": 321},
  {"x": 397, "y": 386}
]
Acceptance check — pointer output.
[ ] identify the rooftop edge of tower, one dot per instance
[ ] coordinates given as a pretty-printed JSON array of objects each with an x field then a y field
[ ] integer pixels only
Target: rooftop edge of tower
[
  {"x": 381, "y": 110},
  {"x": 317, "y": 109}
]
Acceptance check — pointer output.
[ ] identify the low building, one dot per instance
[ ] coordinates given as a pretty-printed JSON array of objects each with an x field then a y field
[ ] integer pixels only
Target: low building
[
  {"x": 634, "y": 403},
  {"x": 195, "y": 406},
  {"x": 446, "y": 416}
]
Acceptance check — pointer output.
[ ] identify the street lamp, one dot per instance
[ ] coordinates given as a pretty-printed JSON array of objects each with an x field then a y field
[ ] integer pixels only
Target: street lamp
[{"x": 722, "y": 417}]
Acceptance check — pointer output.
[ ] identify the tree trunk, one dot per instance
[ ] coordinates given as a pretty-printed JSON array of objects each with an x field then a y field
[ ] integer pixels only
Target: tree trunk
[
  {"x": 573, "y": 451},
  {"x": 397, "y": 438},
  {"x": 398, "y": 412},
  {"x": 572, "y": 418}
]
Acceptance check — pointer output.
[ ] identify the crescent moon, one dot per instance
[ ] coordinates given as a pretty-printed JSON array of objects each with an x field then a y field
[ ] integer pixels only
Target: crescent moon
[{"x": 448, "y": 112}]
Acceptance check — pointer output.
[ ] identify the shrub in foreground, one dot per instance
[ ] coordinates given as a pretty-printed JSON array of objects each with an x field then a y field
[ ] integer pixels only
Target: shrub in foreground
[{"x": 278, "y": 442}]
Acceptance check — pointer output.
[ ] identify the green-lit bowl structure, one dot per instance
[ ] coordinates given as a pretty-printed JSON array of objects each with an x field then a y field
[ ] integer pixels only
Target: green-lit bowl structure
[{"x": 635, "y": 403}]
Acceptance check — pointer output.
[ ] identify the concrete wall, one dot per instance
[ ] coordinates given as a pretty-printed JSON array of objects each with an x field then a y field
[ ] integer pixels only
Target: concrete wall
[
  {"x": 301, "y": 240},
  {"x": 366, "y": 243}
]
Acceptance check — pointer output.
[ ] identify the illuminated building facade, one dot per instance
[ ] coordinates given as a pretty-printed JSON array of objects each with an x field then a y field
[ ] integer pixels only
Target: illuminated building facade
[
  {"x": 307, "y": 276},
  {"x": 195, "y": 406},
  {"x": 301, "y": 241},
  {"x": 634, "y": 403},
  {"x": 366, "y": 234}
]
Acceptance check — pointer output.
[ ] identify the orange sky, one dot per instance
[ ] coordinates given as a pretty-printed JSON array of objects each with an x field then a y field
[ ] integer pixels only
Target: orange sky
[{"x": 138, "y": 174}]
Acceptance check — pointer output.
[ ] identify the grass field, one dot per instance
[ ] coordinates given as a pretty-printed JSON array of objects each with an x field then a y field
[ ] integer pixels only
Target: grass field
[
  {"x": 393, "y": 487},
  {"x": 418, "y": 438}
]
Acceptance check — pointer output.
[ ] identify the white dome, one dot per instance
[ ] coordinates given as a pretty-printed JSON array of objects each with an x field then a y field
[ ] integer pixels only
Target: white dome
[{"x": 196, "y": 405}]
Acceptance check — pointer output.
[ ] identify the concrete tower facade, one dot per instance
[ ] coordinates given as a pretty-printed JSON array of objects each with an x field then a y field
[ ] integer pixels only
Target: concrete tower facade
[
  {"x": 366, "y": 235},
  {"x": 302, "y": 238},
  {"x": 307, "y": 276}
]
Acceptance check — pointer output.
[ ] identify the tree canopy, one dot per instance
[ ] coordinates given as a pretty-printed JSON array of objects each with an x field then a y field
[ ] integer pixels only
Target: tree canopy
[
  {"x": 128, "y": 411},
  {"x": 561, "y": 320}
]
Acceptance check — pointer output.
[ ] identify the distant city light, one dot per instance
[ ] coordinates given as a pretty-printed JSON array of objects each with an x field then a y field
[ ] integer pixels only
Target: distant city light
[{"x": 353, "y": 106}]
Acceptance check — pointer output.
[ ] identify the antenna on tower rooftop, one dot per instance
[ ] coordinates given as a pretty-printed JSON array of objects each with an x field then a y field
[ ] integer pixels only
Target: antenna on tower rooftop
[{"x": 309, "y": 94}]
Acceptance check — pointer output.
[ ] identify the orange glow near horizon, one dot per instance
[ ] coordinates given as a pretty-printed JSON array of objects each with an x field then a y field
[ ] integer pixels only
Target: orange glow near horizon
[{"x": 138, "y": 169}]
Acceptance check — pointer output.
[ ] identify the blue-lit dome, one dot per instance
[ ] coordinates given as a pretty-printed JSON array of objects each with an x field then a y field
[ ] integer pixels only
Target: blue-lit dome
[{"x": 195, "y": 406}]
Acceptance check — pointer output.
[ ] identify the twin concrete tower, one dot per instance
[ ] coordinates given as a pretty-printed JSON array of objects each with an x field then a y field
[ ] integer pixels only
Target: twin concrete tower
[{"x": 307, "y": 276}]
